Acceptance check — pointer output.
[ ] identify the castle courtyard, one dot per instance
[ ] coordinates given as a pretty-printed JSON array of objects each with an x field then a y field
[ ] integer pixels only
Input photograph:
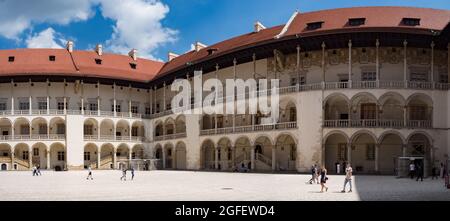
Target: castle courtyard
[{"x": 208, "y": 186}]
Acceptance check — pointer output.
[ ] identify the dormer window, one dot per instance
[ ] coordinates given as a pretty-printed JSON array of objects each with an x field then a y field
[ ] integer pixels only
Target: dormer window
[
  {"x": 411, "y": 21},
  {"x": 133, "y": 65},
  {"x": 52, "y": 58},
  {"x": 11, "y": 59},
  {"x": 98, "y": 61},
  {"x": 212, "y": 51},
  {"x": 314, "y": 25},
  {"x": 356, "y": 21}
]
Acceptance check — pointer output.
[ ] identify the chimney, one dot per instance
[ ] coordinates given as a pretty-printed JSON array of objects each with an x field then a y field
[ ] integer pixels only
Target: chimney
[
  {"x": 259, "y": 26},
  {"x": 69, "y": 46},
  {"x": 133, "y": 54},
  {"x": 99, "y": 49},
  {"x": 171, "y": 56},
  {"x": 199, "y": 46}
]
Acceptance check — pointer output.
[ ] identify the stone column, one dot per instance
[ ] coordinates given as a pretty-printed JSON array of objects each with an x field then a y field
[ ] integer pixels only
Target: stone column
[
  {"x": 115, "y": 158},
  {"x": 349, "y": 153},
  {"x": 164, "y": 157},
  {"x": 216, "y": 158},
  {"x": 404, "y": 147},
  {"x": 432, "y": 64},
  {"x": 48, "y": 159},
  {"x": 405, "y": 64},
  {"x": 233, "y": 156},
  {"x": 323, "y": 65},
  {"x": 350, "y": 64},
  {"x": 164, "y": 96},
  {"x": 252, "y": 157},
  {"x": 114, "y": 101},
  {"x": 274, "y": 158},
  {"x": 99, "y": 154},
  {"x": 30, "y": 158},
  {"x": 12, "y": 159},
  {"x": 377, "y": 51}
]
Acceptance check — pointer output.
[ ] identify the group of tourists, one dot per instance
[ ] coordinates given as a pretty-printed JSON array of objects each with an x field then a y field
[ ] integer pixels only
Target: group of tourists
[
  {"x": 124, "y": 174},
  {"x": 416, "y": 170},
  {"x": 321, "y": 173}
]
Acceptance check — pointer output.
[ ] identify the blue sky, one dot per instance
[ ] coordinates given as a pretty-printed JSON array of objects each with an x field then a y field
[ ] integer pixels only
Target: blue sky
[{"x": 167, "y": 25}]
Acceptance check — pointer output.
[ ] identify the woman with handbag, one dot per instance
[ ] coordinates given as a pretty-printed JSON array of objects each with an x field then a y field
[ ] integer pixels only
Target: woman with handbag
[{"x": 323, "y": 179}]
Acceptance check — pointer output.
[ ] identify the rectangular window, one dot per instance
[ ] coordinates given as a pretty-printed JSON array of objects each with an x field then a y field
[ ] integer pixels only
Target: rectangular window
[
  {"x": 24, "y": 105},
  {"x": 418, "y": 77},
  {"x": 42, "y": 105},
  {"x": 61, "y": 156},
  {"x": 169, "y": 106},
  {"x": 369, "y": 76},
  {"x": 356, "y": 21},
  {"x": 3, "y": 106},
  {"x": 118, "y": 108},
  {"x": 42, "y": 129},
  {"x": 52, "y": 58},
  {"x": 314, "y": 25},
  {"x": 411, "y": 21},
  {"x": 370, "y": 152},
  {"x": 35, "y": 152},
  {"x": 25, "y": 155},
  {"x": 93, "y": 106},
  {"x": 443, "y": 78},
  {"x": 11, "y": 59},
  {"x": 61, "y": 105},
  {"x": 87, "y": 156},
  {"x": 88, "y": 130},
  {"x": 134, "y": 109},
  {"x": 368, "y": 111},
  {"x": 147, "y": 110}
]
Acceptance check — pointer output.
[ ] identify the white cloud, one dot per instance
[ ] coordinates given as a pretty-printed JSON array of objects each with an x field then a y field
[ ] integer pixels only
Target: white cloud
[
  {"x": 138, "y": 25},
  {"x": 17, "y": 16},
  {"x": 48, "y": 38}
]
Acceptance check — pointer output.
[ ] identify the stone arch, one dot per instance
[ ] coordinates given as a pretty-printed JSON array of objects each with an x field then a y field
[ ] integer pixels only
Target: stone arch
[
  {"x": 58, "y": 156},
  {"x": 285, "y": 153},
  {"x": 39, "y": 155},
  {"x": 180, "y": 156},
  {"x": 169, "y": 126},
  {"x": 336, "y": 107},
  {"x": 390, "y": 149},
  {"x": 122, "y": 129},
  {"x": 90, "y": 155},
  {"x": 6, "y": 127},
  {"x": 91, "y": 127},
  {"x": 21, "y": 126},
  {"x": 335, "y": 150},
  {"x": 180, "y": 124},
  {"x": 207, "y": 156},
  {"x": 57, "y": 126}
]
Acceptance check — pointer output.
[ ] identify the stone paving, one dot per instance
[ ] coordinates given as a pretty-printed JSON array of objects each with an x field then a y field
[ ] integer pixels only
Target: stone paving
[{"x": 208, "y": 186}]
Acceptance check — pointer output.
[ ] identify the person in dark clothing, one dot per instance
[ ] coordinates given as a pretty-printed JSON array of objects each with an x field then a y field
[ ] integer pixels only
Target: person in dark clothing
[
  {"x": 434, "y": 173},
  {"x": 132, "y": 173},
  {"x": 323, "y": 179},
  {"x": 124, "y": 174},
  {"x": 419, "y": 173}
]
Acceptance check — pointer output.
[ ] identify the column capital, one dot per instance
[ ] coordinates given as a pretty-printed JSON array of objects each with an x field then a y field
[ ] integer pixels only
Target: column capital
[
  {"x": 350, "y": 43},
  {"x": 323, "y": 45},
  {"x": 298, "y": 48},
  {"x": 377, "y": 43},
  {"x": 405, "y": 43},
  {"x": 234, "y": 61},
  {"x": 432, "y": 44}
]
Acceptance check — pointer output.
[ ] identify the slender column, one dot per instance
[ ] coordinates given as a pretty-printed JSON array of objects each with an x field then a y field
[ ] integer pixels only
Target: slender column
[
  {"x": 274, "y": 158},
  {"x": 64, "y": 98},
  {"x": 432, "y": 64},
  {"x": 12, "y": 159},
  {"x": 350, "y": 64},
  {"x": 216, "y": 100},
  {"x": 216, "y": 158},
  {"x": 99, "y": 155},
  {"x": 30, "y": 158},
  {"x": 12, "y": 97},
  {"x": 252, "y": 157},
  {"x": 130, "y": 155},
  {"x": 130, "y": 128},
  {"x": 323, "y": 65},
  {"x": 405, "y": 116},
  {"x": 234, "y": 99},
  {"x": 377, "y": 51},
  {"x": 154, "y": 99},
  {"x": 405, "y": 64},
  {"x": 114, "y": 102},
  {"x": 164, "y": 158},
  {"x": 48, "y": 159},
  {"x": 377, "y": 157},
  {"x": 129, "y": 102},
  {"x": 404, "y": 147},
  {"x": 98, "y": 99},
  {"x": 82, "y": 98},
  {"x": 298, "y": 66},
  {"x": 164, "y": 96},
  {"x": 48, "y": 97},
  {"x": 30, "y": 101},
  {"x": 115, "y": 158}
]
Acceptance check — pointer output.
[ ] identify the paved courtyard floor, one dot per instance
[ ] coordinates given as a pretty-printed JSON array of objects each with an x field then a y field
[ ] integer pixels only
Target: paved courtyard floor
[{"x": 208, "y": 186}]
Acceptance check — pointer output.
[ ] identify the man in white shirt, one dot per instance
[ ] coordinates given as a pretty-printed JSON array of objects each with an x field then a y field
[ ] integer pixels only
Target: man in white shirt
[
  {"x": 348, "y": 178},
  {"x": 412, "y": 169}
]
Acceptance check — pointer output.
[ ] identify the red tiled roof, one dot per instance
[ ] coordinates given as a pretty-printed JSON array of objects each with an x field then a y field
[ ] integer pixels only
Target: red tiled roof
[
  {"x": 376, "y": 17},
  {"x": 82, "y": 63}
]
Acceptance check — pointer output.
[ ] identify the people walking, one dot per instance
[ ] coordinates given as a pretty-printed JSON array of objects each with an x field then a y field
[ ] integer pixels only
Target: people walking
[
  {"x": 412, "y": 169},
  {"x": 441, "y": 172},
  {"x": 124, "y": 174},
  {"x": 132, "y": 173},
  {"x": 89, "y": 173},
  {"x": 313, "y": 174},
  {"x": 323, "y": 179},
  {"x": 34, "y": 171},
  {"x": 348, "y": 178},
  {"x": 419, "y": 170},
  {"x": 38, "y": 170},
  {"x": 317, "y": 173}
]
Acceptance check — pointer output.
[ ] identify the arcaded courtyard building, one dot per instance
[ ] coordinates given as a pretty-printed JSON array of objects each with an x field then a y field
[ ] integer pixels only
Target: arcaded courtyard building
[{"x": 367, "y": 86}]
